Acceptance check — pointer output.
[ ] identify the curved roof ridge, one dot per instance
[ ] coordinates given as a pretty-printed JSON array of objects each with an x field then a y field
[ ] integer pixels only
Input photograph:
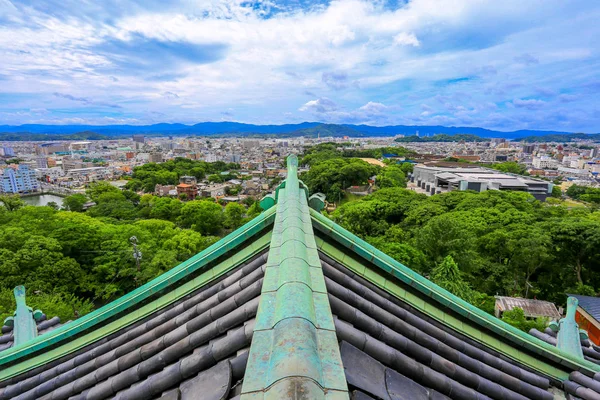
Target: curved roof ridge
[
  {"x": 294, "y": 349},
  {"x": 139, "y": 296}
]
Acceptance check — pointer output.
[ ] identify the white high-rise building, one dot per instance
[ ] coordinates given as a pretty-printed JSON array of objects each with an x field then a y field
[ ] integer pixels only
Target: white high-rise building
[{"x": 18, "y": 180}]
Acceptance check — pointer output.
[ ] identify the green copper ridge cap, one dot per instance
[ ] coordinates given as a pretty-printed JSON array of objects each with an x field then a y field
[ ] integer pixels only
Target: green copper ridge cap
[
  {"x": 294, "y": 352},
  {"x": 134, "y": 299},
  {"x": 568, "y": 338},
  {"x": 484, "y": 320},
  {"x": 23, "y": 322}
]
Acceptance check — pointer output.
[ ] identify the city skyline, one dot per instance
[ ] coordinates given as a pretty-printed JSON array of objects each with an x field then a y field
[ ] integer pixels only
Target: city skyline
[{"x": 504, "y": 66}]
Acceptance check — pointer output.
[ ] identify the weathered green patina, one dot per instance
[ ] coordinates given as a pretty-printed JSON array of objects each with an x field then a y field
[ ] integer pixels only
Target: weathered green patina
[
  {"x": 568, "y": 337},
  {"x": 294, "y": 352},
  {"x": 548, "y": 359},
  {"x": 23, "y": 321},
  {"x": 141, "y": 294}
]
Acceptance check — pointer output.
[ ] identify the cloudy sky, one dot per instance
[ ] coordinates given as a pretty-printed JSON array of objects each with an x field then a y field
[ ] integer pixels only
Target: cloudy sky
[{"x": 504, "y": 65}]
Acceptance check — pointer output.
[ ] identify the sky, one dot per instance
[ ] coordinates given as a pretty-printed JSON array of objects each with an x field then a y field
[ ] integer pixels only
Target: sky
[{"x": 504, "y": 65}]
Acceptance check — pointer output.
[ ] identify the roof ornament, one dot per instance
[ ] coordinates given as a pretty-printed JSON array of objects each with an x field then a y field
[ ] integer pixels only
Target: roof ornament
[
  {"x": 24, "y": 319},
  {"x": 569, "y": 335}
]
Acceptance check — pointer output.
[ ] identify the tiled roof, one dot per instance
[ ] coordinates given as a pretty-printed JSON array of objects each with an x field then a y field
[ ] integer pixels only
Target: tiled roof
[
  {"x": 590, "y": 304},
  {"x": 531, "y": 308},
  {"x": 578, "y": 384},
  {"x": 438, "y": 362},
  {"x": 204, "y": 334},
  {"x": 44, "y": 325},
  {"x": 322, "y": 316}
]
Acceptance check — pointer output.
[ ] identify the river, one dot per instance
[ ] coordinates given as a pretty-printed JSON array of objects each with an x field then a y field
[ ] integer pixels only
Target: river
[{"x": 43, "y": 200}]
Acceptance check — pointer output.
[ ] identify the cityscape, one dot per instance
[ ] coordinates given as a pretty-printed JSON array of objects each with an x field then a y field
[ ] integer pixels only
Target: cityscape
[
  {"x": 299, "y": 199},
  {"x": 62, "y": 167}
]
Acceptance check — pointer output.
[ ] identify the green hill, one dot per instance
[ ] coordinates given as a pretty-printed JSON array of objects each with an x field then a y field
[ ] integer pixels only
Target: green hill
[
  {"x": 41, "y": 137},
  {"x": 570, "y": 137},
  {"x": 442, "y": 138},
  {"x": 325, "y": 130}
]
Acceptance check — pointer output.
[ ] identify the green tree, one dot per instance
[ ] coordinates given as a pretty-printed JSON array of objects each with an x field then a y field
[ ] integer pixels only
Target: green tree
[
  {"x": 202, "y": 216},
  {"x": 216, "y": 178},
  {"x": 97, "y": 189},
  {"x": 576, "y": 242},
  {"x": 447, "y": 275},
  {"x": 391, "y": 176},
  {"x": 407, "y": 167},
  {"x": 334, "y": 175},
  {"x": 11, "y": 202},
  {"x": 165, "y": 208},
  {"x": 75, "y": 202},
  {"x": 401, "y": 252},
  {"x": 254, "y": 210},
  {"x": 512, "y": 167},
  {"x": 556, "y": 192},
  {"x": 516, "y": 318},
  {"x": 450, "y": 235},
  {"x": 234, "y": 215},
  {"x": 574, "y": 191}
]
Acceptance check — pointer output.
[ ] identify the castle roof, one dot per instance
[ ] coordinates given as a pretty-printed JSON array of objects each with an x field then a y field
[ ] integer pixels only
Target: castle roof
[{"x": 291, "y": 306}]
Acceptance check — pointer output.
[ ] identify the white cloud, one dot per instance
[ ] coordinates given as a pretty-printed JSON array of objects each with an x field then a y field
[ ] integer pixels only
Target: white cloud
[
  {"x": 374, "y": 108},
  {"x": 321, "y": 105},
  {"x": 356, "y": 52},
  {"x": 406, "y": 39}
]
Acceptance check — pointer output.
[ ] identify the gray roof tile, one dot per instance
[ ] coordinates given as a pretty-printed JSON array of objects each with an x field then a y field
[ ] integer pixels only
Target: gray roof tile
[{"x": 153, "y": 357}]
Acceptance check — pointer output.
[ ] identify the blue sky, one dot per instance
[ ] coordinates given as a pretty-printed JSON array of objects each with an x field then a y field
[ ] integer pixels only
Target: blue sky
[{"x": 505, "y": 65}]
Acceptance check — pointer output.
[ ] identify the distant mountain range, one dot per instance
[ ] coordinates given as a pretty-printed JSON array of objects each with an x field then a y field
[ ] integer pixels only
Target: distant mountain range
[
  {"x": 443, "y": 138},
  {"x": 310, "y": 129}
]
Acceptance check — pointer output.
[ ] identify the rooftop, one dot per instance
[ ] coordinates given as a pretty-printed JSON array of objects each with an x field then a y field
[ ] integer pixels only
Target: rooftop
[
  {"x": 531, "y": 308},
  {"x": 289, "y": 306}
]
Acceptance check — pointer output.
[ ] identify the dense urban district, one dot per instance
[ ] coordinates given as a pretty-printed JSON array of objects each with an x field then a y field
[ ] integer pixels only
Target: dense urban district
[{"x": 481, "y": 218}]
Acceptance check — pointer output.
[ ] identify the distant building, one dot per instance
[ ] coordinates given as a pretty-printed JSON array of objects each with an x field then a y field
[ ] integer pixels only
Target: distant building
[
  {"x": 50, "y": 148},
  {"x": 545, "y": 162},
  {"x": 155, "y": 158},
  {"x": 165, "y": 190},
  {"x": 41, "y": 162},
  {"x": 7, "y": 151},
  {"x": 189, "y": 190},
  {"x": 19, "y": 179},
  {"x": 467, "y": 157},
  {"x": 234, "y": 158},
  {"x": 139, "y": 139},
  {"x": 573, "y": 172},
  {"x": 80, "y": 146},
  {"x": 188, "y": 180},
  {"x": 442, "y": 178},
  {"x": 217, "y": 190},
  {"x": 588, "y": 316},
  {"x": 531, "y": 308},
  {"x": 51, "y": 174},
  {"x": 69, "y": 164},
  {"x": 528, "y": 148}
]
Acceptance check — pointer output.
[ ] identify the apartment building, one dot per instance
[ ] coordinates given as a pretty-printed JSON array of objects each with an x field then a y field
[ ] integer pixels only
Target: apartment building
[{"x": 18, "y": 179}]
